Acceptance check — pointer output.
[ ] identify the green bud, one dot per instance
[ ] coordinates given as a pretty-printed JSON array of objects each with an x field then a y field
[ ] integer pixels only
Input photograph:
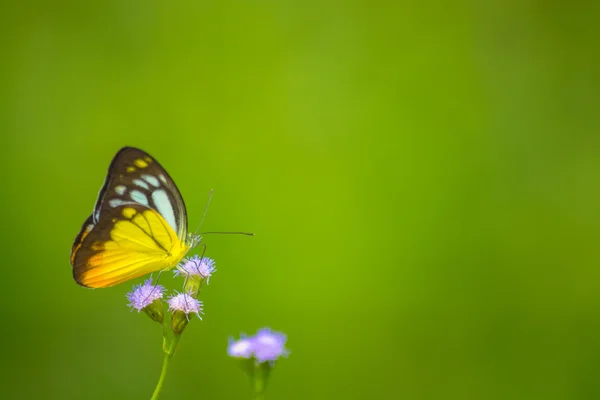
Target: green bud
[
  {"x": 247, "y": 365},
  {"x": 257, "y": 372},
  {"x": 261, "y": 376},
  {"x": 192, "y": 285},
  {"x": 155, "y": 311},
  {"x": 179, "y": 321}
]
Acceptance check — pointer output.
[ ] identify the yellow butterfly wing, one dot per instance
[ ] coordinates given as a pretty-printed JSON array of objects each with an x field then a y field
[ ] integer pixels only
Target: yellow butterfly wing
[
  {"x": 139, "y": 224},
  {"x": 128, "y": 242}
]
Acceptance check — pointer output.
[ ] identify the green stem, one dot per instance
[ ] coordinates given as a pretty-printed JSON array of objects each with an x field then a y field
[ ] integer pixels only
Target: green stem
[
  {"x": 174, "y": 344},
  {"x": 258, "y": 384},
  {"x": 258, "y": 387},
  {"x": 260, "y": 376},
  {"x": 165, "y": 337},
  {"x": 163, "y": 373}
]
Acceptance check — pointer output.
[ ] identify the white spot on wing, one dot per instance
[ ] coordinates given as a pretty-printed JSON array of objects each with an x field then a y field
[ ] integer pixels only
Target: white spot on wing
[
  {"x": 164, "y": 207},
  {"x": 116, "y": 202},
  {"x": 141, "y": 184},
  {"x": 139, "y": 197},
  {"x": 162, "y": 179},
  {"x": 120, "y": 190},
  {"x": 151, "y": 180}
]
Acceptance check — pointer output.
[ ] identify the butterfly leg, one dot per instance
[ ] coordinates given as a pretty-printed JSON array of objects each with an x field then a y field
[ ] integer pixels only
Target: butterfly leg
[
  {"x": 203, "y": 250},
  {"x": 202, "y": 257},
  {"x": 158, "y": 277},
  {"x": 155, "y": 285},
  {"x": 185, "y": 298},
  {"x": 187, "y": 277}
]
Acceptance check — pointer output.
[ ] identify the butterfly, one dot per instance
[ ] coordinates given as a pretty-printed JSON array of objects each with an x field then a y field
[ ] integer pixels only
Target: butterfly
[{"x": 139, "y": 224}]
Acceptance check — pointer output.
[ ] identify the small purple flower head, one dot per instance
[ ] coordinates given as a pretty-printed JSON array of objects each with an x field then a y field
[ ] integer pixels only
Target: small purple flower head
[
  {"x": 265, "y": 346},
  {"x": 185, "y": 303},
  {"x": 196, "y": 266},
  {"x": 144, "y": 294},
  {"x": 269, "y": 345},
  {"x": 240, "y": 348}
]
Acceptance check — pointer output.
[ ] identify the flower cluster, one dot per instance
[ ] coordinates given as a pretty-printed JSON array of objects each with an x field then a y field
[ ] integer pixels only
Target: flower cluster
[
  {"x": 148, "y": 297},
  {"x": 266, "y": 345},
  {"x": 256, "y": 355}
]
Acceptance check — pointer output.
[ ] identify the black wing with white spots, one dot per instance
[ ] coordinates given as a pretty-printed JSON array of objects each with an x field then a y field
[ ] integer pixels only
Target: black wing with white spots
[{"x": 135, "y": 177}]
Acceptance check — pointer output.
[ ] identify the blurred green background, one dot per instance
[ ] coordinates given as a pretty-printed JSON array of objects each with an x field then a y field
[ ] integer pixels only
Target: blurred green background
[{"x": 423, "y": 181}]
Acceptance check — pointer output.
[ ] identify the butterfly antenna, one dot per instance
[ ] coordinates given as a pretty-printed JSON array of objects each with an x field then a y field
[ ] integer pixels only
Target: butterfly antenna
[
  {"x": 205, "y": 210},
  {"x": 221, "y": 233},
  {"x": 228, "y": 233}
]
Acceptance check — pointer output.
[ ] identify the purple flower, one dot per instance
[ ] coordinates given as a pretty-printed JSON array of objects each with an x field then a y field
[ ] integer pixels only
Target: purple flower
[
  {"x": 267, "y": 345},
  {"x": 240, "y": 348},
  {"x": 185, "y": 303},
  {"x": 144, "y": 294},
  {"x": 196, "y": 266}
]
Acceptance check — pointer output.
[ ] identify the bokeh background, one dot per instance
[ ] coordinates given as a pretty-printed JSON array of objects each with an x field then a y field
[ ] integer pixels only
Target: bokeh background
[{"x": 423, "y": 181}]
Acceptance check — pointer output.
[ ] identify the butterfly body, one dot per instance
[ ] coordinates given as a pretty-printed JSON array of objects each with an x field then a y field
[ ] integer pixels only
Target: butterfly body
[{"x": 139, "y": 224}]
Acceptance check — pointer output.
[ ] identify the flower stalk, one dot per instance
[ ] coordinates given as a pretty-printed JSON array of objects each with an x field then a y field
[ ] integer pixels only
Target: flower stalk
[
  {"x": 149, "y": 298},
  {"x": 167, "y": 358},
  {"x": 260, "y": 378}
]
